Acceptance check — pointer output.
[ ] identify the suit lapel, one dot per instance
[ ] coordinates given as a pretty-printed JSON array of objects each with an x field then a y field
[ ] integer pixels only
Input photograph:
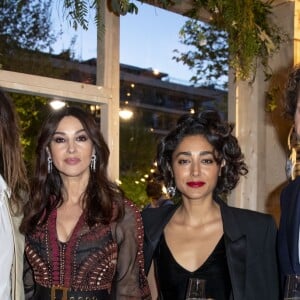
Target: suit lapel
[
  {"x": 236, "y": 251},
  {"x": 154, "y": 230},
  {"x": 236, "y": 257}
]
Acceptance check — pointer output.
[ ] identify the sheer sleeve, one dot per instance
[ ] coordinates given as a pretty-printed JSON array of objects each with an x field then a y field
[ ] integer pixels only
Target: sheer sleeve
[
  {"x": 29, "y": 285},
  {"x": 130, "y": 281}
]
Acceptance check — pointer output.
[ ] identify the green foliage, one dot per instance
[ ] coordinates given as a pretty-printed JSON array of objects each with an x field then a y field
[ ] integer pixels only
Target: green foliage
[
  {"x": 31, "y": 111},
  {"x": 78, "y": 11},
  {"x": 122, "y": 7},
  {"x": 137, "y": 150},
  {"x": 252, "y": 37},
  {"x": 134, "y": 190},
  {"x": 137, "y": 153},
  {"x": 272, "y": 99}
]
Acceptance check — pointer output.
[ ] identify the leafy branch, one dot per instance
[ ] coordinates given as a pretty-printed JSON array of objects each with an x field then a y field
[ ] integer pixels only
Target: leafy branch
[
  {"x": 252, "y": 36},
  {"x": 77, "y": 11},
  {"x": 207, "y": 54}
]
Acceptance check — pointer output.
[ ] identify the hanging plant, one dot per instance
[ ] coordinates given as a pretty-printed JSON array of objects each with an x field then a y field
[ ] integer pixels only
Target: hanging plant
[
  {"x": 78, "y": 11},
  {"x": 252, "y": 36}
]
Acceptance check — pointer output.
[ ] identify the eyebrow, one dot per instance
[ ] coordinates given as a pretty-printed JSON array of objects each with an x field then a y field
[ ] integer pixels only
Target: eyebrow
[
  {"x": 63, "y": 133},
  {"x": 188, "y": 153}
]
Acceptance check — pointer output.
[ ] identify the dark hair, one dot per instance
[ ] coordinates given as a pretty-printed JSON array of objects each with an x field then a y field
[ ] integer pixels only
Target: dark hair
[
  {"x": 292, "y": 92},
  {"x": 154, "y": 189},
  {"x": 12, "y": 166},
  {"x": 219, "y": 134},
  {"x": 102, "y": 199}
]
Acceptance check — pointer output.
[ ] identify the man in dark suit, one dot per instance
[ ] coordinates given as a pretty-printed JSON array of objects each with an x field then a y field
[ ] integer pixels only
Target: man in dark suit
[{"x": 288, "y": 235}]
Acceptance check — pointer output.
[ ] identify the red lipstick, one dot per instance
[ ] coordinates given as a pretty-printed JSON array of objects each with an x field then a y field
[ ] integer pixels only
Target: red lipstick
[{"x": 195, "y": 184}]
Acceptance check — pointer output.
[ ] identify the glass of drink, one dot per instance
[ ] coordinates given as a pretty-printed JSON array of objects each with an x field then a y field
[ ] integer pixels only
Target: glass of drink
[
  {"x": 292, "y": 287},
  {"x": 196, "y": 289}
]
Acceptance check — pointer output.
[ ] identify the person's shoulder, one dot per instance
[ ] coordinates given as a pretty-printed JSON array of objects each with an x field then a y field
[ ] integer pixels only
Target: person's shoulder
[
  {"x": 131, "y": 213},
  {"x": 155, "y": 219},
  {"x": 164, "y": 202},
  {"x": 248, "y": 212},
  {"x": 251, "y": 216},
  {"x": 292, "y": 185},
  {"x": 158, "y": 211},
  {"x": 130, "y": 208},
  {"x": 129, "y": 204}
]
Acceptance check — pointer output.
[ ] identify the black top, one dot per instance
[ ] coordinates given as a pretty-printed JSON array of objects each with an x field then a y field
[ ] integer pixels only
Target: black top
[{"x": 173, "y": 278}]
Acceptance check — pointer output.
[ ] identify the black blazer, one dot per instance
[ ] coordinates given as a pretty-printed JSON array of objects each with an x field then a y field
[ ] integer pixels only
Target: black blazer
[
  {"x": 250, "y": 242},
  {"x": 288, "y": 234}
]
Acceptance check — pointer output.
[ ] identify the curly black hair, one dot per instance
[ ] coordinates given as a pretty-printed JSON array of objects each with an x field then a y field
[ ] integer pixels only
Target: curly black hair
[{"x": 219, "y": 134}]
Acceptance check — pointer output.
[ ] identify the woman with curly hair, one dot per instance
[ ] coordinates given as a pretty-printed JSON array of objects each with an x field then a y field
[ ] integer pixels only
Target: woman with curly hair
[{"x": 232, "y": 249}]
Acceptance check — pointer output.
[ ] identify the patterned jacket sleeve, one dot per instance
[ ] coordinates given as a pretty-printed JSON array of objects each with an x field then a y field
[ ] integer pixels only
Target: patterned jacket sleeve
[{"x": 130, "y": 280}]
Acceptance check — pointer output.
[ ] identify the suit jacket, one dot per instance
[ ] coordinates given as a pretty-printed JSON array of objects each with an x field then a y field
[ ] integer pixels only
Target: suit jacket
[
  {"x": 17, "y": 291},
  {"x": 250, "y": 242},
  {"x": 288, "y": 234}
]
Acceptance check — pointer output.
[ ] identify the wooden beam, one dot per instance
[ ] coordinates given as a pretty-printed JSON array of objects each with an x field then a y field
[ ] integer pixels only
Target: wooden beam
[
  {"x": 54, "y": 88},
  {"x": 182, "y": 8}
]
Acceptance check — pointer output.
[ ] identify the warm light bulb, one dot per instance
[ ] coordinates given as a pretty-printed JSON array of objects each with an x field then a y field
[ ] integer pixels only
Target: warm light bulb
[
  {"x": 57, "y": 104},
  {"x": 125, "y": 114}
]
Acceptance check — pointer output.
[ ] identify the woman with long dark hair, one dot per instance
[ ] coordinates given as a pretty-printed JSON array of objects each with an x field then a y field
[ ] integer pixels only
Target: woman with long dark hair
[{"x": 83, "y": 238}]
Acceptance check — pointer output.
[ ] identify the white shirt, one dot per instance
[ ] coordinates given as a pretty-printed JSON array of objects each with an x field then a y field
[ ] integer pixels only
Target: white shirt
[{"x": 6, "y": 243}]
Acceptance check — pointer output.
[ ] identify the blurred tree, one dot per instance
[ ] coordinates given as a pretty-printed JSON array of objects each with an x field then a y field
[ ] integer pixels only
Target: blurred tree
[
  {"x": 25, "y": 29},
  {"x": 137, "y": 153},
  {"x": 138, "y": 144},
  {"x": 31, "y": 110},
  {"x": 134, "y": 189}
]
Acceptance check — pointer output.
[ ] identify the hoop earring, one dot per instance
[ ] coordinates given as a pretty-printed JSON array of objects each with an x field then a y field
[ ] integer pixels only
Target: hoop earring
[
  {"x": 93, "y": 163},
  {"x": 49, "y": 165},
  {"x": 171, "y": 190}
]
